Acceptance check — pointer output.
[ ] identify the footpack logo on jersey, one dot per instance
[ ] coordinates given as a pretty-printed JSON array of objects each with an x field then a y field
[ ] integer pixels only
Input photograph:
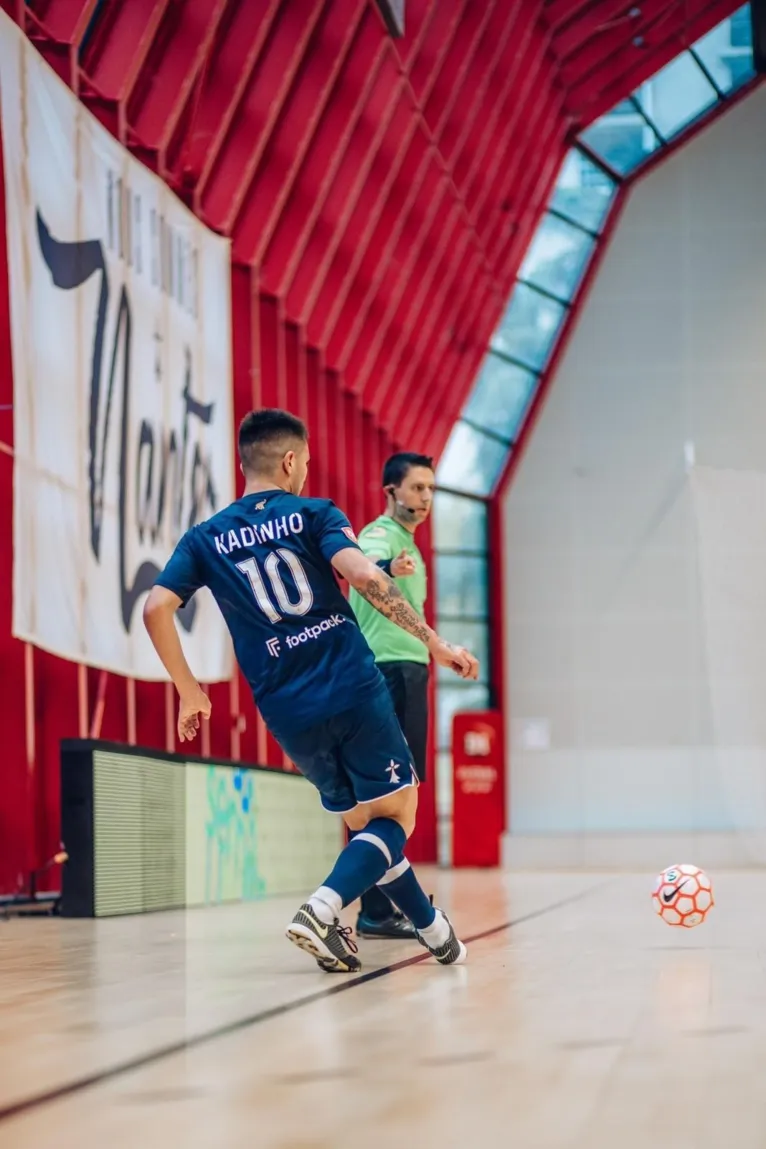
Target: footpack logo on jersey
[
  {"x": 307, "y": 635},
  {"x": 312, "y": 632}
]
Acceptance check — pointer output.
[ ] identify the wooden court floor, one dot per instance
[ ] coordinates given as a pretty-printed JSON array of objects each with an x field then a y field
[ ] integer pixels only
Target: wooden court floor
[{"x": 580, "y": 1021}]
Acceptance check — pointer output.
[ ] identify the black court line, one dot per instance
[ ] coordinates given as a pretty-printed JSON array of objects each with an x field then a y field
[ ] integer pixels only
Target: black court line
[{"x": 36, "y": 1101}]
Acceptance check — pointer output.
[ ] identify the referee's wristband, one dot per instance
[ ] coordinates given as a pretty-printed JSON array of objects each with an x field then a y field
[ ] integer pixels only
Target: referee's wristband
[{"x": 385, "y": 566}]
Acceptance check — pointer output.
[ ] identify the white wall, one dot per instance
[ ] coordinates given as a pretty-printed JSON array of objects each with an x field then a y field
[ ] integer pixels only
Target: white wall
[{"x": 623, "y": 570}]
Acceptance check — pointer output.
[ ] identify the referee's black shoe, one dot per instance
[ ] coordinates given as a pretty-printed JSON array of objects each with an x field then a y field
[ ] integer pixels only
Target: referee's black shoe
[{"x": 395, "y": 927}]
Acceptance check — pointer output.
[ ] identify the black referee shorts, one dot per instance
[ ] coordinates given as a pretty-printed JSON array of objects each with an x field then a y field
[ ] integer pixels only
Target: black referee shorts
[{"x": 408, "y": 686}]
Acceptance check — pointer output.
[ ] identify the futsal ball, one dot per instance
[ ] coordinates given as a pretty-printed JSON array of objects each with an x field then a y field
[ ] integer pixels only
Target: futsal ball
[{"x": 683, "y": 896}]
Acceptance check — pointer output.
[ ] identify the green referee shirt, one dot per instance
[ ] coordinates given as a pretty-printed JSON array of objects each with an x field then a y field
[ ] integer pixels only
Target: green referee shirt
[{"x": 384, "y": 538}]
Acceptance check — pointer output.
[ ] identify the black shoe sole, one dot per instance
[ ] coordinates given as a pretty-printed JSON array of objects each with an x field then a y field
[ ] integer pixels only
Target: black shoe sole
[{"x": 302, "y": 937}]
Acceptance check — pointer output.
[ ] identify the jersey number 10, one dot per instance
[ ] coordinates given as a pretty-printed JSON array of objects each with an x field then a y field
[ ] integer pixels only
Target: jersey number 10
[{"x": 271, "y": 567}]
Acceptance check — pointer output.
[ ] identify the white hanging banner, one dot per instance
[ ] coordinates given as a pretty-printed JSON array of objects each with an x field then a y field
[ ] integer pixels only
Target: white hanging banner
[{"x": 121, "y": 320}]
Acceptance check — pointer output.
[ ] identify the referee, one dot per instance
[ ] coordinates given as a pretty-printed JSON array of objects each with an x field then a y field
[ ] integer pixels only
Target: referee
[{"x": 408, "y": 481}]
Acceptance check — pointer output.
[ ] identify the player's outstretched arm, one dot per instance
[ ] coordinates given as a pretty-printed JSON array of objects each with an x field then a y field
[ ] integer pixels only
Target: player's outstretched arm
[
  {"x": 159, "y": 620},
  {"x": 382, "y": 592}
]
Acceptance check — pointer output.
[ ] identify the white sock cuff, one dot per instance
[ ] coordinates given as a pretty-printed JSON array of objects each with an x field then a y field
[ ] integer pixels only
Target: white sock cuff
[
  {"x": 374, "y": 840},
  {"x": 395, "y": 872},
  {"x": 437, "y": 933},
  {"x": 327, "y": 898}
]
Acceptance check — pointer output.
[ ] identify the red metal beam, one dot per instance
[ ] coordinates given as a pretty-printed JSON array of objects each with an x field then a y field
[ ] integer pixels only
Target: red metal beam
[
  {"x": 398, "y": 169},
  {"x": 453, "y": 80},
  {"x": 15, "y": 9},
  {"x": 351, "y": 178},
  {"x": 450, "y": 340},
  {"x": 495, "y": 112},
  {"x": 56, "y": 28},
  {"x": 422, "y": 308},
  {"x": 558, "y": 12},
  {"x": 571, "y": 35},
  {"x": 65, "y": 21},
  {"x": 339, "y": 351},
  {"x": 287, "y": 42},
  {"x": 369, "y": 334},
  {"x": 513, "y": 189},
  {"x": 295, "y": 373},
  {"x": 116, "y": 51},
  {"x": 459, "y": 365},
  {"x": 544, "y": 151},
  {"x": 467, "y": 221},
  {"x": 240, "y": 41},
  {"x": 174, "y": 65},
  {"x": 462, "y": 127},
  {"x": 333, "y": 39},
  {"x": 487, "y": 190},
  {"x": 422, "y": 300},
  {"x": 451, "y": 380},
  {"x": 316, "y": 419},
  {"x": 341, "y": 274},
  {"x": 393, "y": 229},
  {"x": 354, "y": 460},
  {"x": 357, "y": 97},
  {"x": 428, "y": 61},
  {"x": 606, "y": 54},
  {"x": 273, "y": 383},
  {"x": 444, "y": 317},
  {"x": 595, "y": 82},
  {"x": 423, "y": 378},
  {"x": 418, "y": 249},
  {"x": 420, "y": 13},
  {"x": 497, "y": 203}
]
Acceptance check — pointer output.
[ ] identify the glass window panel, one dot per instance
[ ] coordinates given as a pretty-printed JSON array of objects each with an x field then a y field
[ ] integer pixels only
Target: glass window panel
[
  {"x": 626, "y": 109},
  {"x": 622, "y": 138},
  {"x": 471, "y": 461},
  {"x": 452, "y": 699},
  {"x": 460, "y": 524},
  {"x": 472, "y": 635},
  {"x": 727, "y": 51},
  {"x": 740, "y": 28},
  {"x": 461, "y": 586},
  {"x": 500, "y": 396},
  {"x": 557, "y": 257},
  {"x": 529, "y": 327},
  {"x": 677, "y": 95},
  {"x": 584, "y": 192}
]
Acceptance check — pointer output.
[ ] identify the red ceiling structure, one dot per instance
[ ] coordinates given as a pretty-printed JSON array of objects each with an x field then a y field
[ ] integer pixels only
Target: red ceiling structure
[
  {"x": 379, "y": 195},
  {"x": 382, "y": 191}
]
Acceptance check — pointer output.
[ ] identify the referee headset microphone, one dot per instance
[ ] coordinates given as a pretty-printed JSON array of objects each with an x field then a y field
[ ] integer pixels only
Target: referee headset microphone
[{"x": 410, "y": 513}]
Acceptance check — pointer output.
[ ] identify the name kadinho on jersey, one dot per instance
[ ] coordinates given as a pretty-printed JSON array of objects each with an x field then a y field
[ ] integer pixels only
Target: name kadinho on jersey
[{"x": 271, "y": 531}]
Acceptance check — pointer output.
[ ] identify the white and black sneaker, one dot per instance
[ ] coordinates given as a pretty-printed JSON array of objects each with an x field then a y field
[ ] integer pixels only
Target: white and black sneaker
[
  {"x": 332, "y": 946},
  {"x": 451, "y": 952}
]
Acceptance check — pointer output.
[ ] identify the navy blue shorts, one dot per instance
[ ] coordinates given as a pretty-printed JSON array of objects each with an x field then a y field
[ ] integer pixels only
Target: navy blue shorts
[{"x": 355, "y": 756}]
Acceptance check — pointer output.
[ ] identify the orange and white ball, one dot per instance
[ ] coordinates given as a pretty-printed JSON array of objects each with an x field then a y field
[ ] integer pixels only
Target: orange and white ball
[{"x": 683, "y": 896}]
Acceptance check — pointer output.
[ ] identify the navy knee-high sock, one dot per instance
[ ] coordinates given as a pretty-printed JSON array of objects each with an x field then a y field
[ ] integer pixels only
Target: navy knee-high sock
[
  {"x": 375, "y": 905},
  {"x": 403, "y": 888},
  {"x": 365, "y": 860}
]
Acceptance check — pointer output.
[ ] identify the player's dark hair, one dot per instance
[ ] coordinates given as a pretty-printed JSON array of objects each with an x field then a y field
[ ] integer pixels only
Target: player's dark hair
[
  {"x": 265, "y": 437},
  {"x": 397, "y": 467}
]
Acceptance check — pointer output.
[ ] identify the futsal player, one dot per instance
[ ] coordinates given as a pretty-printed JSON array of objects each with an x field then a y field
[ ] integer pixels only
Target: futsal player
[
  {"x": 269, "y": 560},
  {"x": 389, "y": 540}
]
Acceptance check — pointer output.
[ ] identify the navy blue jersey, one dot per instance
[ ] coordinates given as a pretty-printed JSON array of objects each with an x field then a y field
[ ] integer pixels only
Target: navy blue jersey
[{"x": 266, "y": 560}]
